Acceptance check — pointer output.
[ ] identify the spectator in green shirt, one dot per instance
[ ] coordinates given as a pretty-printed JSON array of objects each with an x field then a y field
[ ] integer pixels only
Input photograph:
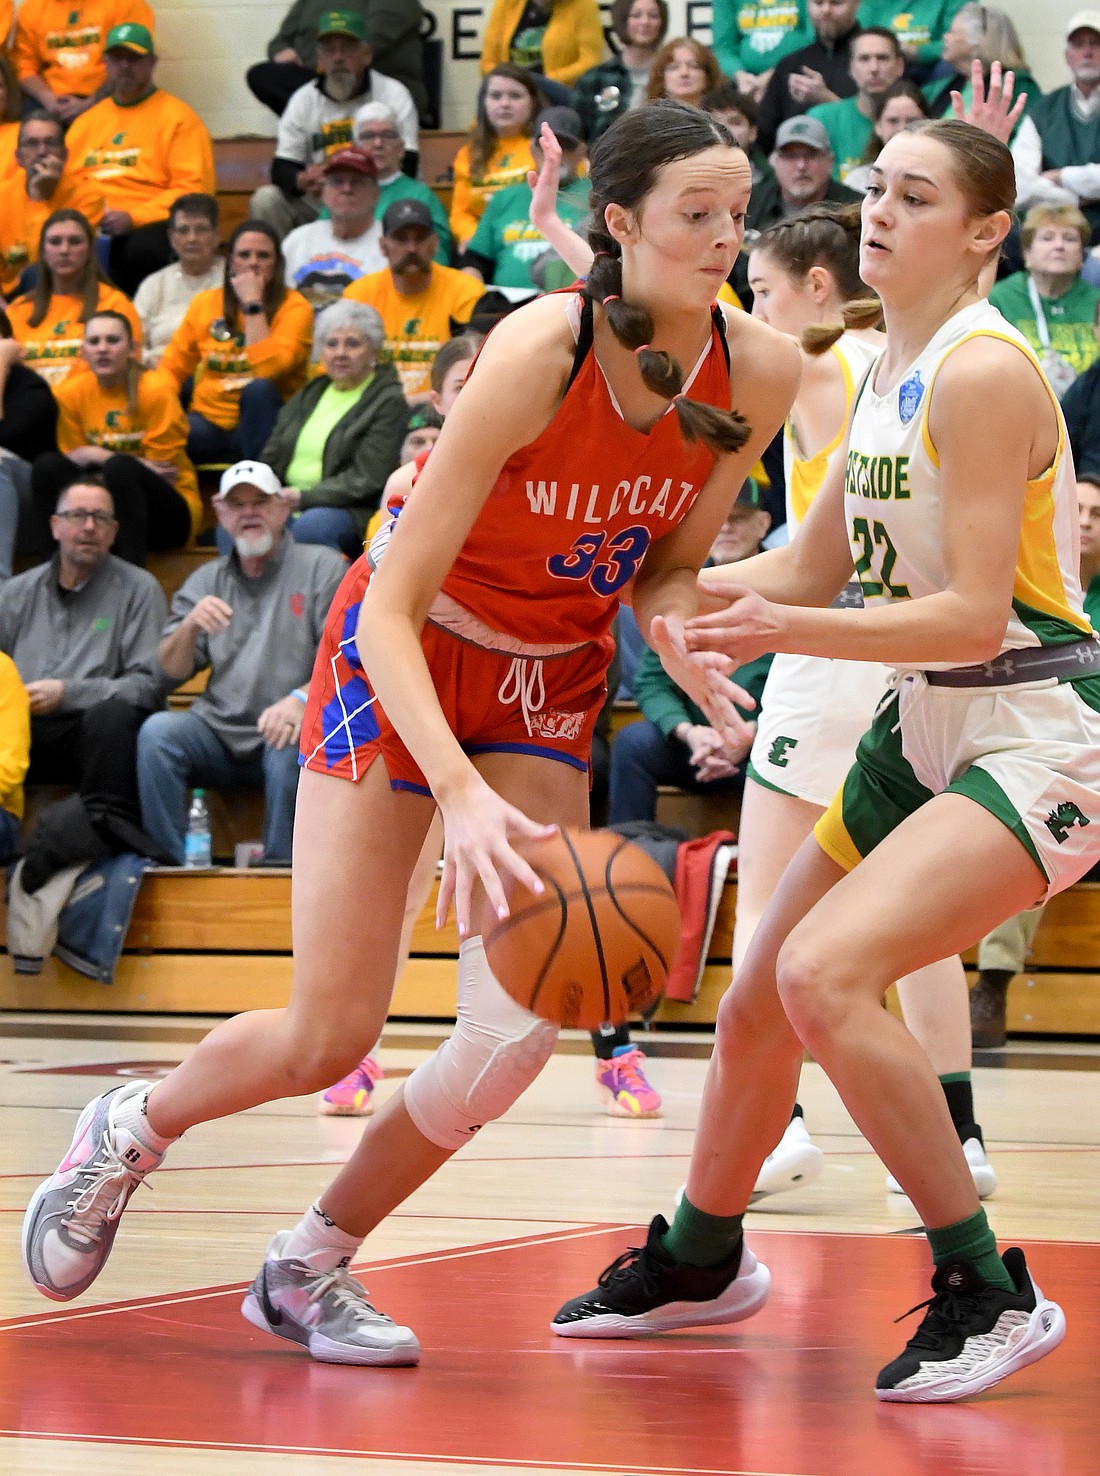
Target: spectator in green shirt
[
  {"x": 377, "y": 133},
  {"x": 506, "y": 245},
  {"x": 749, "y": 36},
  {"x": 876, "y": 62},
  {"x": 902, "y": 103},
  {"x": 1048, "y": 301},
  {"x": 979, "y": 33},
  {"x": 918, "y": 24}
]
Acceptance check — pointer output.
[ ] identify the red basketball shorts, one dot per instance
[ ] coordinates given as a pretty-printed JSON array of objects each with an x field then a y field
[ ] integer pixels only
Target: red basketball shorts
[{"x": 498, "y": 695}]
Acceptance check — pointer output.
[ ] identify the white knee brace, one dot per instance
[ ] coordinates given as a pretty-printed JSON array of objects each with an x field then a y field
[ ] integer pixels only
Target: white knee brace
[{"x": 495, "y": 1053}]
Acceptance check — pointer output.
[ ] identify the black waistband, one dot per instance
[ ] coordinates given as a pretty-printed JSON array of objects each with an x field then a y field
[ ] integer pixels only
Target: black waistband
[{"x": 1029, "y": 664}]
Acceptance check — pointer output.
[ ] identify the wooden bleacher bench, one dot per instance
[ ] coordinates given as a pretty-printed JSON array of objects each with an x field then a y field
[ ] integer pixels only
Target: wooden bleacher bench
[{"x": 218, "y": 942}]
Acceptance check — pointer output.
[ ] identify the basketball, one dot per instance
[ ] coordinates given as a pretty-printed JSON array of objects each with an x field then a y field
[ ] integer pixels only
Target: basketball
[{"x": 597, "y": 946}]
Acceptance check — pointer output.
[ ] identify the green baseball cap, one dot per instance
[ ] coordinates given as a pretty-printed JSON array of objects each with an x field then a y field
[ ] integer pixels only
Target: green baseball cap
[
  {"x": 342, "y": 23},
  {"x": 130, "y": 38}
]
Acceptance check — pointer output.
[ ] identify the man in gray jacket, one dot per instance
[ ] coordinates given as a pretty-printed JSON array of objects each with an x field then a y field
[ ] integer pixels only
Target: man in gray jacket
[
  {"x": 82, "y": 630},
  {"x": 255, "y": 619}
]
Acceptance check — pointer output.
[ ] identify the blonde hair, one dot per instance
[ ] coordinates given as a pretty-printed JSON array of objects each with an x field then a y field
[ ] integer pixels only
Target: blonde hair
[{"x": 1054, "y": 215}]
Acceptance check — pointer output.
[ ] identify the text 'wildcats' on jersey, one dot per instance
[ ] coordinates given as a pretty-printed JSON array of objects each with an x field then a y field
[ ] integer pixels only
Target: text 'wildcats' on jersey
[
  {"x": 571, "y": 515},
  {"x": 893, "y": 500}
]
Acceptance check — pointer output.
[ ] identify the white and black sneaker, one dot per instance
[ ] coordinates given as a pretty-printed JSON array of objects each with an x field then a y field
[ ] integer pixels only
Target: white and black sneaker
[
  {"x": 973, "y": 1335},
  {"x": 646, "y": 1291},
  {"x": 326, "y": 1312}
]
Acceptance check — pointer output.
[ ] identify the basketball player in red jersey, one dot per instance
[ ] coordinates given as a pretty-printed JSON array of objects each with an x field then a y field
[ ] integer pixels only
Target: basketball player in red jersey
[{"x": 580, "y": 467}]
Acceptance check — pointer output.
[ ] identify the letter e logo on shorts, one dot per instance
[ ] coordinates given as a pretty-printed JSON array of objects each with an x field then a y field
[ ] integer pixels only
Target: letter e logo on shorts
[
  {"x": 777, "y": 753},
  {"x": 1063, "y": 818}
]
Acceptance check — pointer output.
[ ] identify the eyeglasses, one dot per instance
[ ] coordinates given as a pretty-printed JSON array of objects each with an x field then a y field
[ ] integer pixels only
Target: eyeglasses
[
  {"x": 78, "y": 516},
  {"x": 381, "y": 135}
]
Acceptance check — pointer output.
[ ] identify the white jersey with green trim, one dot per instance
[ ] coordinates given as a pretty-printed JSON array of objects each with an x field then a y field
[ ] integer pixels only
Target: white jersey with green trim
[
  {"x": 855, "y": 353},
  {"x": 893, "y": 489}
]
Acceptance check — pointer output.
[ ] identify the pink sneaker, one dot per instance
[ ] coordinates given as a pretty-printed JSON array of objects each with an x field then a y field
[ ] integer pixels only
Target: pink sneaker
[
  {"x": 352, "y": 1096},
  {"x": 623, "y": 1081}
]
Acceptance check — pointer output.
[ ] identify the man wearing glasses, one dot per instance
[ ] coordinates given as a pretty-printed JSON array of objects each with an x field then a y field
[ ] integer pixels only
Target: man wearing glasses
[{"x": 82, "y": 630}]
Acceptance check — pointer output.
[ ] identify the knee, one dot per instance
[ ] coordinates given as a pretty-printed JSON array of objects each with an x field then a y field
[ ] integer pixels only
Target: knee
[
  {"x": 812, "y": 983},
  {"x": 750, "y": 1019},
  {"x": 155, "y": 737},
  {"x": 115, "y": 719},
  {"x": 260, "y": 393}
]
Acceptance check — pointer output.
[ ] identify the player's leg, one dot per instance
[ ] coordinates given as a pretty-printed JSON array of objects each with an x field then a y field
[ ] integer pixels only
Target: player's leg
[
  {"x": 344, "y": 962},
  {"x": 934, "y": 1007},
  {"x": 496, "y": 1051}
]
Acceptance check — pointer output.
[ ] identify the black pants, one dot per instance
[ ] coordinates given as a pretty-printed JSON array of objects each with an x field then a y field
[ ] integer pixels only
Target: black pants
[
  {"x": 151, "y": 513},
  {"x": 94, "y": 750},
  {"x": 273, "y": 83},
  {"x": 139, "y": 254}
]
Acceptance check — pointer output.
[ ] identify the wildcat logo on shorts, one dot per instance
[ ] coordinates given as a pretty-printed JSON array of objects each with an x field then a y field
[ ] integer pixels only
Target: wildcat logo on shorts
[
  {"x": 1063, "y": 818},
  {"x": 777, "y": 753},
  {"x": 552, "y": 724},
  {"x": 910, "y": 394}
]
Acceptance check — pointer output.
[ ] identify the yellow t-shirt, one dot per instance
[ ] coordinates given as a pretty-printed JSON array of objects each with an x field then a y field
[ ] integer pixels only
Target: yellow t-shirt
[
  {"x": 62, "y": 41},
  {"x": 418, "y": 326},
  {"x": 15, "y": 737},
  {"x": 508, "y": 164},
  {"x": 143, "y": 157},
  {"x": 89, "y": 415},
  {"x": 22, "y": 219},
  {"x": 223, "y": 368},
  {"x": 52, "y": 348}
]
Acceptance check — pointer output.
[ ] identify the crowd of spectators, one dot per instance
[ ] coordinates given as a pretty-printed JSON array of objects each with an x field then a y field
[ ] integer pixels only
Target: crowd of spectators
[{"x": 138, "y": 351}]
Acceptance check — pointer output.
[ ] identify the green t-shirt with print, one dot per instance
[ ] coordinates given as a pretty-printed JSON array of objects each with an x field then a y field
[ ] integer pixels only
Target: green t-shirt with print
[
  {"x": 1070, "y": 318},
  {"x": 919, "y": 25},
  {"x": 752, "y": 35},
  {"x": 506, "y": 237},
  {"x": 849, "y": 133}
]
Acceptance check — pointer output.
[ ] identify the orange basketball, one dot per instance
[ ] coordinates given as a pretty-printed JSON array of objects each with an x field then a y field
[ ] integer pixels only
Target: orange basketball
[{"x": 597, "y": 946}]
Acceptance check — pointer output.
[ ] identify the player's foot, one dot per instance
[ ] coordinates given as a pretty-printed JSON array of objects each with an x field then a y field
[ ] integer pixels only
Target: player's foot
[
  {"x": 72, "y": 1219},
  {"x": 351, "y": 1096},
  {"x": 981, "y": 1170},
  {"x": 646, "y": 1291},
  {"x": 327, "y": 1312},
  {"x": 622, "y": 1083},
  {"x": 972, "y": 1335},
  {"x": 988, "y": 1007},
  {"x": 795, "y": 1161}
]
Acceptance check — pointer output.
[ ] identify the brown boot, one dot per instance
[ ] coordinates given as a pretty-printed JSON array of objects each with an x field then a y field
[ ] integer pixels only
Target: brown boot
[{"x": 987, "y": 1009}]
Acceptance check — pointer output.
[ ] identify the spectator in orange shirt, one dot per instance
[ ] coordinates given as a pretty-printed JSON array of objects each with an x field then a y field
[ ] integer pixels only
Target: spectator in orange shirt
[
  {"x": 11, "y": 105},
  {"x": 127, "y": 424},
  {"x": 70, "y": 289},
  {"x": 40, "y": 186},
  {"x": 142, "y": 148},
  {"x": 247, "y": 344},
  {"x": 58, "y": 51}
]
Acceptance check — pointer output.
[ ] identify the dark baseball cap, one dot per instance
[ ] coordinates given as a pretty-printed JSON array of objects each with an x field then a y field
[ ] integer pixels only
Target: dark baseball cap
[
  {"x": 357, "y": 160},
  {"x": 404, "y": 213},
  {"x": 565, "y": 125}
]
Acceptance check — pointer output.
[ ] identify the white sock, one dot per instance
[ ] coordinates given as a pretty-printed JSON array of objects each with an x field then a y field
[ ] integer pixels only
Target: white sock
[
  {"x": 129, "y": 1114},
  {"x": 318, "y": 1241}
]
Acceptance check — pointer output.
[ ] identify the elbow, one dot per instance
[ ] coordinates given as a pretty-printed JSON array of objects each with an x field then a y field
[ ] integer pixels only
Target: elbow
[{"x": 983, "y": 642}]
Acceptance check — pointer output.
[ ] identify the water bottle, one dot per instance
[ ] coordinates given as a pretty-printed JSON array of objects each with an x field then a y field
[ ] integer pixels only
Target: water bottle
[{"x": 196, "y": 841}]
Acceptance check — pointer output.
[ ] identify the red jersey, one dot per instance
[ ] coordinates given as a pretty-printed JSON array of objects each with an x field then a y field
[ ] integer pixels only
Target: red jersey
[{"x": 572, "y": 514}]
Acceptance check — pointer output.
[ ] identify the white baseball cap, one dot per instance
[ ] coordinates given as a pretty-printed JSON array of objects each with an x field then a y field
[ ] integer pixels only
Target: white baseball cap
[
  {"x": 251, "y": 474},
  {"x": 1083, "y": 20}
]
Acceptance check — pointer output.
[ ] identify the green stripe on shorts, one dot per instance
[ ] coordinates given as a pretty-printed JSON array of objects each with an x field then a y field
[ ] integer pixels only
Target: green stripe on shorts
[
  {"x": 758, "y": 778},
  {"x": 881, "y": 789},
  {"x": 979, "y": 786}
]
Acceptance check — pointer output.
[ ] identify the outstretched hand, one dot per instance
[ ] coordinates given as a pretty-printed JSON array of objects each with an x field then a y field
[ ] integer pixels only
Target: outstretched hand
[
  {"x": 705, "y": 676},
  {"x": 544, "y": 183},
  {"x": 994, "y": 113},
  {"x": 747, "y": 626},
  {"x": 478, "y": 829}
]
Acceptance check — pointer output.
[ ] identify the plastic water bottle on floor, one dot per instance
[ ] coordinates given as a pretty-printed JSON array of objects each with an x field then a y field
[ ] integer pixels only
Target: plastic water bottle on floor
[{"x": 196, "y": 841}]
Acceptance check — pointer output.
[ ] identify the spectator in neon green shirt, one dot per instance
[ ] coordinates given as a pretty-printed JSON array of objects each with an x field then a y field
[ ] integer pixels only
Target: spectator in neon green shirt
[
  {"x": 749, "y": 36},
  {"x": 505, "y": 245},
  {"x": 876, "y": 63}
]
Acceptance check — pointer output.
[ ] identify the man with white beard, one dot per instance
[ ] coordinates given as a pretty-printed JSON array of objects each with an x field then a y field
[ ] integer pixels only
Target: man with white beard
[
  {"x": 320, "y": 119},
  {"x": 253, "y": 619}
]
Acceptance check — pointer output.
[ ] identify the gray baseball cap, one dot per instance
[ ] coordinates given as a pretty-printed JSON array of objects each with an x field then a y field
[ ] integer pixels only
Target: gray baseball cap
[{"x": 810, "y": 132}]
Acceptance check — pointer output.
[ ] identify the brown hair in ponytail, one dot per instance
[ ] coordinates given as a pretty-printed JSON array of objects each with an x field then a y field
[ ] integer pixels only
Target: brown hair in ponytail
[
  {"x": 625, "y": 163},
  {"x": 824, "y": 236}
]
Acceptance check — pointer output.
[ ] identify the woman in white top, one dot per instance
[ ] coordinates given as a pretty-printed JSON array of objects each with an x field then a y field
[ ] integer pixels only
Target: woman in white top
[{"x": 975, "y": 793}]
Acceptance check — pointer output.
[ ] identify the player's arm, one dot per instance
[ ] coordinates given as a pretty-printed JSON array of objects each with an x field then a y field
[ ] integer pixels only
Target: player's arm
[
  {"x": 502, "y": 407},
  {"x": 984, "y": 463}
]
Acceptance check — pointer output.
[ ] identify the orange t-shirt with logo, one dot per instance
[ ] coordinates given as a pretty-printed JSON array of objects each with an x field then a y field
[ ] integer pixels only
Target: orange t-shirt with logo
[
  {"x": 52, "y": 348},
  {"x": 62, "y": 41}
]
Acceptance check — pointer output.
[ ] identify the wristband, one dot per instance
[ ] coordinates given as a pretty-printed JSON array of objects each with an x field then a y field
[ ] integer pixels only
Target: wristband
[{"x": 301, "y": 694}]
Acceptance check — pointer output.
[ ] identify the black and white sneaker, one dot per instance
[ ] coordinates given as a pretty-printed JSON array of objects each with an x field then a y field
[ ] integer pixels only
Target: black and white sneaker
[
  {"x": 646, "y": 1291},
  {"x": 973, "y": 1335}
]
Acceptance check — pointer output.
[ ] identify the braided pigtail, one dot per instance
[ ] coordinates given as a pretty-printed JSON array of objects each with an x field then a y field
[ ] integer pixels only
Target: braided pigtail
[
  {"x": 860, "y": 314},
  {"x": 623, "y": 174}
]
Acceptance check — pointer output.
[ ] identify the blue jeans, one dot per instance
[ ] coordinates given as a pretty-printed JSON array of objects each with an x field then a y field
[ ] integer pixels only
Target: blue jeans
[
  {"x": 643, "y": 758},
  {"x": 9, "y": 836},
  {"x": 177, "y": 750},
  {"x": 259, "y": 409}
]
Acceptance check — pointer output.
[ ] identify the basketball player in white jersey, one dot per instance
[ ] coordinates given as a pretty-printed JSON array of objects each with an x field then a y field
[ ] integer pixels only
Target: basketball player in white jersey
[{"x": 975, "y": 793}]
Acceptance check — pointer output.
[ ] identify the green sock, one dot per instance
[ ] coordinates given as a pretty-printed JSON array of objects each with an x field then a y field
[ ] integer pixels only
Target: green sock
[
  {"x": 974, "y": 1239},
  {"x": 698, "y": 1239}
]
